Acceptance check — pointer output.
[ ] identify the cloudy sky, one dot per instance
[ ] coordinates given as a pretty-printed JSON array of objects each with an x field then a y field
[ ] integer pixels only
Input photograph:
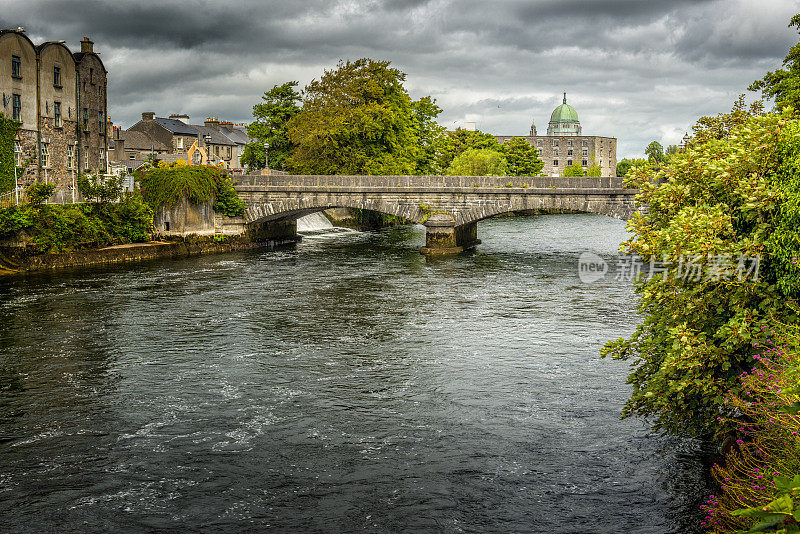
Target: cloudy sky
[{"x": 637, "y": 70}]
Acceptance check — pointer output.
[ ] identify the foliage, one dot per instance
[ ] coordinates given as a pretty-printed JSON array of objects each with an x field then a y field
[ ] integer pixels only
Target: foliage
[
  {"x": 721, "y": 200},
  {"x": 760, "y": 480},
  {"x": 458, "y": 141},
  {"x": 8, "y": 131},
  {"x": 68, "y": 227},
  {"x": 228, "y": 202},
  {"x": 38, "y": 192},
  {"x": 720, "y": 127},
  {"x": 271, "y": 116},
  {"x": 430, "y": 135},
  {"x": 625, "y": 165},
  {"x": 783, "y": 84},
  {"x": 573, "y": 170},
  {"x": 479, "y": 162},
  {"x": 99, "y": 188},
  {"x": 522, "y": 158},
  {"x": 654, "y": 152},
  {"x": 594, "y": 170},
  {"x": 359, "y": 119}
]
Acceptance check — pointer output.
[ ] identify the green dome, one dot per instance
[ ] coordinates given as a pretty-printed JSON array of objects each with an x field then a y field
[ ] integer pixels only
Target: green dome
[{"x": 564, "y": 113}]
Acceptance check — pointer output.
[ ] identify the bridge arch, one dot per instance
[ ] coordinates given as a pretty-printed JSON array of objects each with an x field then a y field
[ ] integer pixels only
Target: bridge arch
[
  {"x": 294, "y": 208},
  {"x": 618, "y": 208}
]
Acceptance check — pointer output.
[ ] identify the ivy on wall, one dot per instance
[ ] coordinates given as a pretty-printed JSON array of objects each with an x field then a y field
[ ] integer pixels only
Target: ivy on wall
[{"x": 8, "y": 131}]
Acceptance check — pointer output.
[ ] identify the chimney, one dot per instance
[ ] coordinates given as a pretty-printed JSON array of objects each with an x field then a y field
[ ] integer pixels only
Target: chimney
[
  {"x": 180, "y": 117},
  {"x": 148, "y": 116},
  {"x": 227, "y": 125},
  {"x": 87, "y": 46},
  {"x": 213, "y": 122}
]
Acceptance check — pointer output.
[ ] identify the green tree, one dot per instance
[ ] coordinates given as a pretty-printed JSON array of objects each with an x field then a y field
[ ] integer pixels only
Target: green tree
[
  {"x": 594, "y": 170},
  {"x": 8, "y": 132},
  {"x": 459, "y": 140},
  {"x": 712, "y": 210},
  {"x": 271, "y": 116},
  {"x": 359, "y": 119},
  {"x": 625, "y": 165},
  {"x": 479, "y": 162},
  {"x": 654, "y": 152},
  {"x": 783, "y": 84},
  {"x": 573, "y": 170},
  {"x": 430, "y": 135},
  {"x": 522, "y": 158}
]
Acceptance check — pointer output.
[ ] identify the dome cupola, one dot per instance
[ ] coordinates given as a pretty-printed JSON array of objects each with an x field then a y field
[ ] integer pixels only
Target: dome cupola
[{"x": 564, "y": 120}]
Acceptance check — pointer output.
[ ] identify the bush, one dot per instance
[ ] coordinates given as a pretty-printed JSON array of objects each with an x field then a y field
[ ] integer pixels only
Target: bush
[
  {"x": 728, "y": 197},
  {"x": 38, "y": 192},
  {"x": 164, "y": 186},
  {"x": 479, "y": 162}
]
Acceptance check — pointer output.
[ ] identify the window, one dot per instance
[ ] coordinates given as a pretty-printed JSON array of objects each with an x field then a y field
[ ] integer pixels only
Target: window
[
  {"x": 569, "y": 163},
  {"x": 100, "y": 122},
  {"x": 85, "y": 119},
  {"x": 16, "y": 67},
  {"x": 16, "y": 107},
  {"x": 45, "y": 154},
  {"x": 86, "y": 158},
  {"x": 57, "y": 114},
  {"x": 179, "y": 142},
  {"x": 569, "y": 143},
  {"x": 585, "y": 163},
  {"x": 56, "y": 76},
  {"x": 539, "y": 142},
  {"x": 217, "y": 150},
  {"x": 102, "y": 160},
  {"x": 555, "y": 163},
  {"x": 132, "y": 156},
  {"x": 229, "y": 152},
  {"x": 555, "y": 142},
  {"x": 585, "y": 152},
  {"x": 555, "y": 152},
  {"x": 569, "y": 152},
  {"x": 70, "y": 156},
  {"x": 584, "y": 143},
  {"x": 17, "y": 153},
  {"x": 539, "y": 151},
  {"x": 91, "y": 76}
]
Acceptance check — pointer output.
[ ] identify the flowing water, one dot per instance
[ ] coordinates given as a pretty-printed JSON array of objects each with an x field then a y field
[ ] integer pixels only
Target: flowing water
[{"x": 345, "y": 385}]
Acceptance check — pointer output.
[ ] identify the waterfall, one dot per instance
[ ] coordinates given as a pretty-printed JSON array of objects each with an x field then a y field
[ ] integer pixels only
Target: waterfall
[{"x": 315, "y": 223}]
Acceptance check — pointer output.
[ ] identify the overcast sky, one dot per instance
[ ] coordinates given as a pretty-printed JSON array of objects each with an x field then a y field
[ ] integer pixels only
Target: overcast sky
[{"x": 637, "y": 70}]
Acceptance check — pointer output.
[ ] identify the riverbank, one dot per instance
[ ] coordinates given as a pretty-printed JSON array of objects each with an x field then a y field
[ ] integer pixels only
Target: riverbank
[{"x": 15, "y": 260}]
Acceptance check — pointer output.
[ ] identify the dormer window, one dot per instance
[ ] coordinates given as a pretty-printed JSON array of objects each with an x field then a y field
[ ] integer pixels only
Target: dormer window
[{"x": 16, "y": 67}]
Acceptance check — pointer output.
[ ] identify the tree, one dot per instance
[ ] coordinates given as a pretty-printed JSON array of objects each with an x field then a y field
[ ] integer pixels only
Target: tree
[
  {"x": 655, "y": 152},
  {"x": 783, "y": 84},
  {"x": 431, "y": 135},
  {"x": 460, "y": 140},
  {"x": 522, "y": 158},
  {"x": 712, "y": 210},
  {"x": 573, "y": 170},
  {"x": 271, "y": 117},
  {"x": 359, "y": 119},
  {"x": 594, "y": 170},
  {"x": 625, "y": 165},
  {"x": 479, "y": 162}
]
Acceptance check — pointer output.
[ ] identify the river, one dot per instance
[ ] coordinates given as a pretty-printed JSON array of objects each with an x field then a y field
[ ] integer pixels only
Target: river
[{"x": 348, "y": 384}]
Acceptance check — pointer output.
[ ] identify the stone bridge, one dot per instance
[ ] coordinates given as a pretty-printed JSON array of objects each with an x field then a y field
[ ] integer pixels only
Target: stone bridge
[{"x": 448, "y": 206}]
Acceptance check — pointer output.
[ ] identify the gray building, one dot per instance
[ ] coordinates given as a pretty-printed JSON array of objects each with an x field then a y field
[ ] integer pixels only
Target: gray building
[{"x": 564, "y": 145}]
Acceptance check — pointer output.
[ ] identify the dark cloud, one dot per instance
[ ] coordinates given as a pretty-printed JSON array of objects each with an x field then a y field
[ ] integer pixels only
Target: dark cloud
[{"x": 634, "y": 69}]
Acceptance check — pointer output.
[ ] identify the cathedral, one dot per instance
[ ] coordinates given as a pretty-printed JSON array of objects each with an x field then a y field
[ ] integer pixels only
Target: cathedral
[{"x": 565, "y": 144}]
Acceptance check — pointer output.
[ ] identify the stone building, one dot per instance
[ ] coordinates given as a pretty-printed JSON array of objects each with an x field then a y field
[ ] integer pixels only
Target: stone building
[
  {"x": 565, "y": 144},
  {"x": 60, "y": 99},
  {"x": 174, "y": 136}
]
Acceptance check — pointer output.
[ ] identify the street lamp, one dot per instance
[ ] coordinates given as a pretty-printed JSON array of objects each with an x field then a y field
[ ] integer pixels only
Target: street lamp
[
  {"x": 207, "y": 139},
  {"x": 266, "y": 155}
]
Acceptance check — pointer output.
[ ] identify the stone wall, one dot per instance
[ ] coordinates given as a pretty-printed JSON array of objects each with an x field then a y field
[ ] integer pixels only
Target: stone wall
[{"x": 186, "y": 218}]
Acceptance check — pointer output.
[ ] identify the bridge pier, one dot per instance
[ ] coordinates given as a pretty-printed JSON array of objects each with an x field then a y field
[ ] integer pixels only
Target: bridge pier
[{"x": 443, "y": 237}]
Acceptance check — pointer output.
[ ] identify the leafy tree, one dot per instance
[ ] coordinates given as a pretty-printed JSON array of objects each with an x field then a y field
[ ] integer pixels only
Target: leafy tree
[
  {"x": 710, "y": 208},
  {"x": 359, "y": 119},
  {"x": 270, "y": 126},
  {"x": 573, "y": 170},
  {"x": 625, "y": 165},
  {"x": 100, "y": 189},
  {"x": 522, "y": 158},
  {"x": 460, "y": 140},
  {"x": 655, "y": 152},
  {"x": 783, "y": 84},
  {"x": 720, "y": 127},
  {"x": 479, "y": 162},
  {"x": 594, "y": 170},
  {"x": 431, "y": 135},
  {"x": 671, "y": 150}
]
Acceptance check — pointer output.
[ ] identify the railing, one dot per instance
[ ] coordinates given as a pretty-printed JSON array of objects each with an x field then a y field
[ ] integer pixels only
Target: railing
[{"x": 12, "y": 198}]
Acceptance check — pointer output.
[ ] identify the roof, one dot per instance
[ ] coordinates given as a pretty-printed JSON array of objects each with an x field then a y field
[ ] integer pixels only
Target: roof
[
  {"x": 176, "y": 126},
  {"x": 217, "y": 137},
  {"x": 140, "y": 141},
  {"x": 236, "y": 135},
  {"x": 564, "y": 112}
]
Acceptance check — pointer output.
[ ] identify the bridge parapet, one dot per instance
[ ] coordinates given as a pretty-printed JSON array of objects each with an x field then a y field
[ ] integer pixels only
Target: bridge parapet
[{"x": 312, "y": 180}]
